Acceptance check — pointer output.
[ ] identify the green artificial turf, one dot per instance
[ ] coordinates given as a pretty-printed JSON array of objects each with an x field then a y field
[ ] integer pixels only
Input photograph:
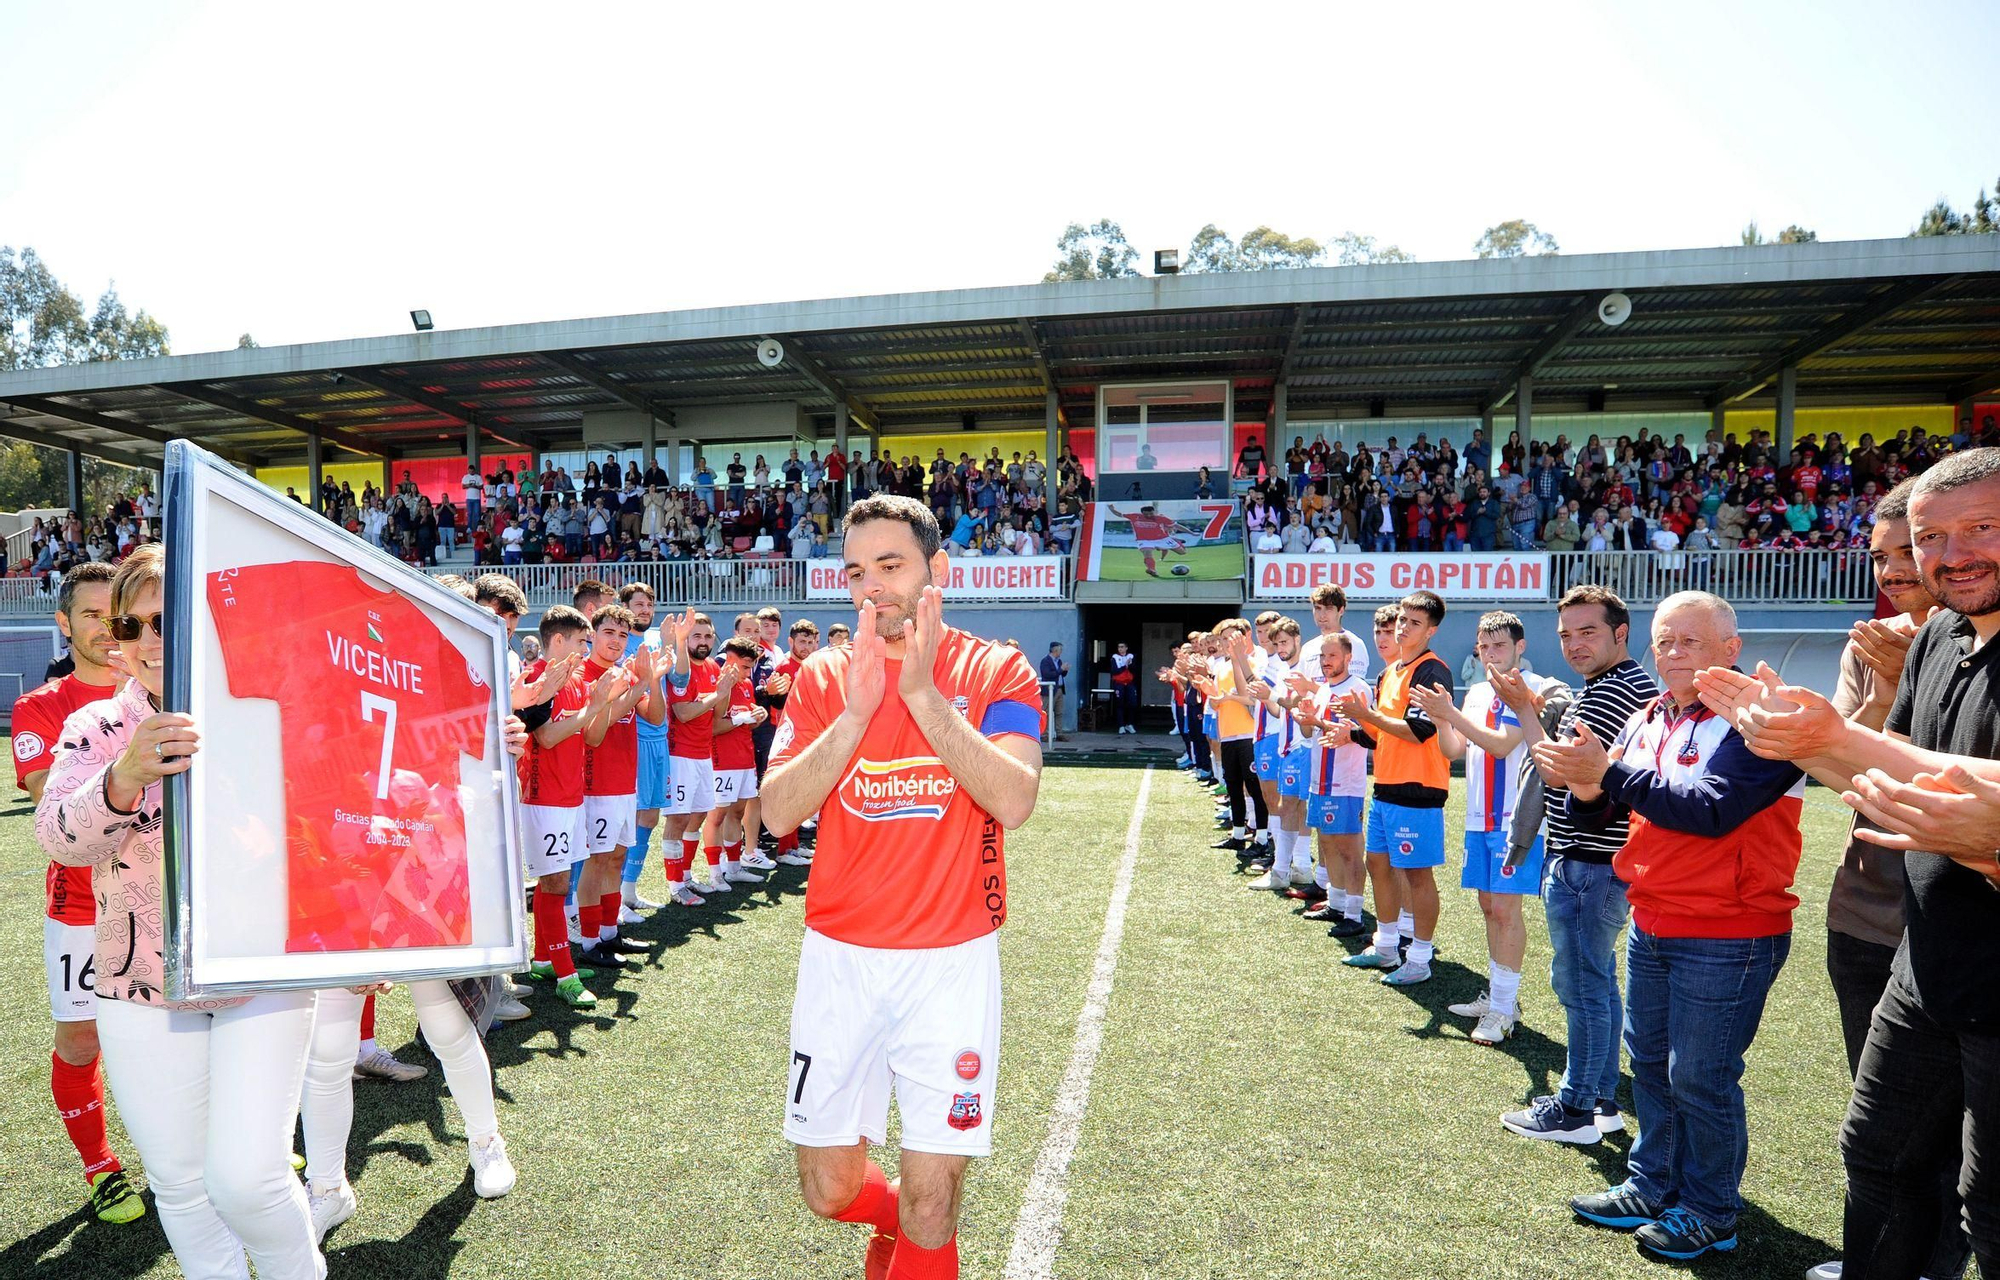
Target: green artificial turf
[{"x": 1258, "y": 1110}]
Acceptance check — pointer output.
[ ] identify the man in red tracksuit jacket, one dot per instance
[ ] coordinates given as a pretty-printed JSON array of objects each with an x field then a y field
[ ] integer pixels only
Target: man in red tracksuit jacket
[{"x": 1713, "y": 848}]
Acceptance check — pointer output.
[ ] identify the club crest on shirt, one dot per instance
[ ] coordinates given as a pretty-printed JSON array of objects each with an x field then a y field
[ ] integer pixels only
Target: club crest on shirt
[
  {"x": 961, "y": 704},
  {"x": 965, "y": 1112},
  {"x": 887, "y": 790},
  {"x": 28, "y": 744},
  {"x": 1690, "y": 753}
]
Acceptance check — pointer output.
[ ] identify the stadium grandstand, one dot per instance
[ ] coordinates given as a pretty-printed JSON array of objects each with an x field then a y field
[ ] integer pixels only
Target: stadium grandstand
[{"x": 1118, "y": 461}]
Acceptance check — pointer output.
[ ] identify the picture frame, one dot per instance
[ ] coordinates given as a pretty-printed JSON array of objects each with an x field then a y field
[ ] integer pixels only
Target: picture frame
[{"x": 313, "y": 843}]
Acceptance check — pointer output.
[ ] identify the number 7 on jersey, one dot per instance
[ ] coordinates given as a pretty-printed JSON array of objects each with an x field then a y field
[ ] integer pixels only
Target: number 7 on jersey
[{"x": 370, "y": 704}]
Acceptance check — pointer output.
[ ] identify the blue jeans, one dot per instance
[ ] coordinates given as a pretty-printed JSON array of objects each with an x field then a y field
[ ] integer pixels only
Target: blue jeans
[
  {"x": 1524, "y": 536},
  {"x": 1382, "y": 542},
  {"x": 1692, "y": 1010},
  {"x": 471, "y": 513},
  {"x": 1585, "y": 906}
]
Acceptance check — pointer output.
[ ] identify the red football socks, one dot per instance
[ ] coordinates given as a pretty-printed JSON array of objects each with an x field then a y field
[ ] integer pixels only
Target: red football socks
[
  {"x": 79, "y": 1094},
  {"x": 552, "y": 932},
  {"x": 588, "y": 920},
  {"x": 677, "y": 866},
  {"x": 607, "y": 913},
  {"x": 368, "y": 1018},
  {"x": 788, "y": 842},
  {"x": 876, "y": 1205},
  {"x": 912, "y": 1262},
  {"x": 732, "y": 852},
  {"x": 713, "y": 852}
]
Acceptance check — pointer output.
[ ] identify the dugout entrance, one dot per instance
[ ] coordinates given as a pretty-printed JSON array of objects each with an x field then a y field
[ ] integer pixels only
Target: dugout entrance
[{"x": 1151, "y": 630}]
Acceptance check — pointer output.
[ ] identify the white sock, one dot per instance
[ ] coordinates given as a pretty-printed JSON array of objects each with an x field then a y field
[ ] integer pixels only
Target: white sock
[
  {"x": 628, "y": 888},
  {"x": 1420, "y": 952},
  {"x": 1354, "y": 904},
  {"x": 607, "y": 932},
  {"x": 728, "y": 865},
  {"x": 1267, "y": 834},
  {"x": 1504, "y": 989},
  {"x": 1320, "y": 878},
  {"x": 1237, "y": 833},
  {"x": 1385, "y": 939},
  {"x": 367, "y": 1048},
  {"x": 1406, "y": 924},
  {"x": 1301, "y": 850},
  {"x": 675, "y": 886}
]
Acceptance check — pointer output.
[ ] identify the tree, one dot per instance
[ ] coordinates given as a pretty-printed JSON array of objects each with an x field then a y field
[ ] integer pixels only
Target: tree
[
  {"x": 30, "y": 476},
  {"x": 1983, "y": 218},
  {"x": 1265, "y": 250},
  {"x": 1351, "y": 250},
  {"x": 1095, "y": 252},
  {"x": 43, "y": 323},
  {"x": 246, "y": 343},
  {"x": 1211, "y": 250},
  {"x": 1515, "y": 238},
  {"x": 1794, "y": 234}
]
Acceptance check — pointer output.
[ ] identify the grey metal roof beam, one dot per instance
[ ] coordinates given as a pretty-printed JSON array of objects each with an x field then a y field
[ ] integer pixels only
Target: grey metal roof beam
[
  {"x": 438, "y": 404},
  {"x": 1292, "y": 342},
  {"x": 49, "y": 440},
  {"x": 345, "y": 439},
  {"x": 1581, "y": 312},
  {"x": 1974, "y": 386},
  {"x": 133, "y": 430},
  {"x": 1893, "y": 299},
  {"x": 570, "y": 364},
  {"x": 799, "y": 358}
]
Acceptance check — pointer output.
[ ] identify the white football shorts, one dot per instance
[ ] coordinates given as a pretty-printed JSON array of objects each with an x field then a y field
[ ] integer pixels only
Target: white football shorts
[
  {"x": 553, "y": 838},
  {"x": 923, "y": 1024},
  {"x": 609, "y": 822},
  {"x": 732, "y": 785},
  {"x": 690, "y": 785},
  {"x": 69, "y": 953}
]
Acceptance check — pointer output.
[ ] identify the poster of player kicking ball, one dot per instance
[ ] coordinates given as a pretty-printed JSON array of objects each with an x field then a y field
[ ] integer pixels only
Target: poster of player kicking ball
[{"x": 352, "y": 814}]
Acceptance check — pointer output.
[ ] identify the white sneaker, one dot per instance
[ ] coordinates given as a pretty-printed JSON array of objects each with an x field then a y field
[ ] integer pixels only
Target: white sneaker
[
  {"x": 684, "y": 897},
  {"x": 1270, "y": 880},
  {"x": 1825, "y": 1271},
  {"x": 634, "y": 902},
  {"x": 509, "y": 1009},
  {"x": 492, "y": 1172},
  {"x": 793, "y": 860},
  {"x": 516, "y": 990},
  {"x": 742, "y": 875},
  {"x": 1477, "y": 1007},
  {"x": 627, "y": 915},
  {"x": 717, "y": 883},
  {"x": 756, "y": 861},
  {"x": 575, "y": 935},
  {"x": 1494, "y": 1026},
  {"x": 384, "y": 1065},
  {"x": 331, "y": 1208},
  {"x": 1302, "y": 876}
]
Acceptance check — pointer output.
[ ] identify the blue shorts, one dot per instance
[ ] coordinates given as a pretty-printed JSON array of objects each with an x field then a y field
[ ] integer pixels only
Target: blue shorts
[
  {"x": 1486, "y": 865},
  {"x": 653, "y": 773},
  {"x": 1334, "y": 815},
  {"x": 1412, "y": 838},
  {"x": 1295, "y": 773},
  {"x": 1209, "y": 729},
  {"x": 1265, "y": 762}
]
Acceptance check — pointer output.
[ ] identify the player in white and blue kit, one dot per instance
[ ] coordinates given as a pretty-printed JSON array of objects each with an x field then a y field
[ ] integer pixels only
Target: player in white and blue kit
[
  {"x": 1336, "y": 784},
  {"x": 1487, "y": 735},
  {"x": 638, "y": 598},
  {"x": 1280, "y": 761}
]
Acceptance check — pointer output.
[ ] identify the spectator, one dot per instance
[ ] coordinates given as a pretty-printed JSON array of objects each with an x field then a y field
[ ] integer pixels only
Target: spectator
[
  {"x": 1055, "y": 672},
  {"x": 1525, "y": 513},
  {"x": 1250, "y": 461},
  {"x": 1562, "y": 533}
]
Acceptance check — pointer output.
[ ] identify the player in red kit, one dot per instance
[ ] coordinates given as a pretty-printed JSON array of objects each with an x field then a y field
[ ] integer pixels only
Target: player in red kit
[
  {"x": 697, "y": 688},
  {"x": 69, "y": 935},
  {"x": 735, "y": 761},
  {"x": 919, "y": 746},
  {"x": 552, "y": 793},
  {"x": 1154, "y": 532},
  {"x": 611, "y": 785},
  {"x": 804, "y": 643}
]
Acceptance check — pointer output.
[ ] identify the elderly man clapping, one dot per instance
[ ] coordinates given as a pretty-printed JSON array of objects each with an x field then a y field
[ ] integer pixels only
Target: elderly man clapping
[{"x": 1714, "y": 844}]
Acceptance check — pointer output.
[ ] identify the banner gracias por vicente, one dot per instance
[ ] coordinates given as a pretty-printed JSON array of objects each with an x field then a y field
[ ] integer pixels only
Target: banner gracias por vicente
[
  {"x": 976, "y": 577},
  {"x": 1373, "y": 576}
]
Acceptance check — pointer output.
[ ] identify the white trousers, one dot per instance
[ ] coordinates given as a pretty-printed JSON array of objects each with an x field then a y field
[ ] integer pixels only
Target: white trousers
[
  {"x": 329, "y": 1093},
  {"x": 210, "y": 1100}
]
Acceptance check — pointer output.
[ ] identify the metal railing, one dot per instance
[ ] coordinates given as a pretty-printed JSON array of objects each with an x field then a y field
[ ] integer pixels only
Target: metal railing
[
  {"x": 703, "y": 582},
  {"x": 1740, "y": 577}
]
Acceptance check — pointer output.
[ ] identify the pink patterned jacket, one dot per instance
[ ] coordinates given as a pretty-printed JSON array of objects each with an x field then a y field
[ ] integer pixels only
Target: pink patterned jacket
[{"x": 78, "y": 827}]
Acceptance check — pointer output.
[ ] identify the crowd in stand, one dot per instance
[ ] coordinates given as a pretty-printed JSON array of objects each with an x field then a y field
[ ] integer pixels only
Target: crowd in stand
[
  {"x": 1630, "y": 494},
  {"x": 57, "y": 545},
  {"x": 603, "y": 514}
]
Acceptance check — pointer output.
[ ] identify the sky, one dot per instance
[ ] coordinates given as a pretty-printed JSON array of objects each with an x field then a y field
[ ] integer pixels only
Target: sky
[{"x": 310, "y": 172}]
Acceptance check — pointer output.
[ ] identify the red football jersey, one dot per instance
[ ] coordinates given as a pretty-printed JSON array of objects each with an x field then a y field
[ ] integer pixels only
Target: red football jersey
[
  {"x": 553, "y": 776},
  {"x": 376, "y": 708},
  {"x": 38, "y": 721},
  {"x": 905, "y": 858},
  {"x": 735, "y": 746},
  {"x": 611, "y": 768},
  {"x": 789, "y": 666},
  {"x": 692, "y": 739}
]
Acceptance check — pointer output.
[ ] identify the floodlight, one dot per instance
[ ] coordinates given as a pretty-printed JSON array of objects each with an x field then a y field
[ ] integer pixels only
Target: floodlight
[
  {"x": 1166, "y": 262},
  {"x": 421, "y": 319}
]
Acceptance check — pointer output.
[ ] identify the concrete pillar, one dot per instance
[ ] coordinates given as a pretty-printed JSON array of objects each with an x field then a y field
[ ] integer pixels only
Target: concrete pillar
[
  {"x": 673, "y": 462},
  {"x": 1963, "y": 412},
  {"x": 1524, "y": 413},
  {"x": 314, "y": 468},
  {"x": 1788, "y": 405},
  {"x": 840, "y": 428},
  {"x": 1718, "y": 428},
  {"x": 649, "y": 442},
  {"x": 472, "y": 447},
  {"x": 1052, "y": 426},
  {"x": 74, "y": 471},
  {"x": 1281, "y": 424}
]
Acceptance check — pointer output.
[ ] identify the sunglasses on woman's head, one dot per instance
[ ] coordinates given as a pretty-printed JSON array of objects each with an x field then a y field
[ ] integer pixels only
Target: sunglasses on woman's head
[{"x": 128, "y": 627}]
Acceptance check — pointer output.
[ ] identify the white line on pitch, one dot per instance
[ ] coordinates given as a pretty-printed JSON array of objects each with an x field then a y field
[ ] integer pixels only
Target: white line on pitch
[{"x": 1038, "y": 1229}]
